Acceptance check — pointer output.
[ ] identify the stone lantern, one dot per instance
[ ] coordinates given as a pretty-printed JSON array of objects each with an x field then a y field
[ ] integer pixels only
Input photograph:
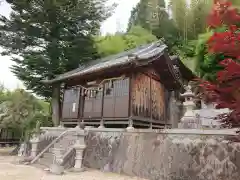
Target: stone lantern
[
  {"x": 189, "y": 120},
  {"x": 79, "y": 147}
]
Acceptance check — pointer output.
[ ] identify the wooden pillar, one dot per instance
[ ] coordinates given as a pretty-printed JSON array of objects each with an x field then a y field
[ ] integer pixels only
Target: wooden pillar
[
  {"x": 130, "y": 104},
  {"x": 173, "y": 111},
  {"x": 56, "y": 107},
  {"x": 81, "y": 107},
  {"x": 102, "y": 109},
  {"x": 151, "y": 105}
]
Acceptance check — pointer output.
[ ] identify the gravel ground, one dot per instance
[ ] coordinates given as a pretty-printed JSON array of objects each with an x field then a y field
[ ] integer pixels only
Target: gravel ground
[{"x": 10, "y": 170}]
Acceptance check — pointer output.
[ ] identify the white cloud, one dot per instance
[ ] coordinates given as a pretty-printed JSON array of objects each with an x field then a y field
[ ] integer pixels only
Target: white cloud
[
  {"x": 5, "y": 9},
  {"x": 120, "y": 17},
  {"x": 6, "y": 76},
  {"x": 118, "y": 20}
]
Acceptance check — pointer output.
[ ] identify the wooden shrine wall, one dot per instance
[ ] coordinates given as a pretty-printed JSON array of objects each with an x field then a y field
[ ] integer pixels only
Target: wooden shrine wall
[
  {"x": 112, "y": 102},
  {"x": 148, "y": 98}
]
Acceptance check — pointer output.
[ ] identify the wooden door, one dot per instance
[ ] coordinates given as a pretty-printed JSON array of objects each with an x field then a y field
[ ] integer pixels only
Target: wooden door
[
  {"x": 93, "y": 106},
  {"x": 116, "y": 101},
  {"x": 121, "y": 95},
  {"x": 108, "y": 102},
  {"x": 70, "y": 108}
]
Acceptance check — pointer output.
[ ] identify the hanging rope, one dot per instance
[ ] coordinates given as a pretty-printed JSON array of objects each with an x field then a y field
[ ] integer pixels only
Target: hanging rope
[
  {"x": 101, "y": 83},
  {"x": 92, "y": 91}
]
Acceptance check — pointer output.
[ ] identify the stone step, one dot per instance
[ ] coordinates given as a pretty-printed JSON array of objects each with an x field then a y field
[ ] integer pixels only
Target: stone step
[
  {"x": 65, "y": 142},
  {"x": 40, "y": 166},
  {"x": 46, "y": 160},
  {"x": 48, "y": 155}
]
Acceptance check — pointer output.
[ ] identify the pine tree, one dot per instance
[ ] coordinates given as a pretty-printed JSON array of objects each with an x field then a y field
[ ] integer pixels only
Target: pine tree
[{"x": 50, "y": 37}]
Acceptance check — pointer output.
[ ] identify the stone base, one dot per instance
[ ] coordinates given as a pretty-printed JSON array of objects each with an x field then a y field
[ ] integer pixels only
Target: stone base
[
  {"x": 75, "y": 170},
  {"x": 187, "y": 125},
  {"x": 47, "y": 169},
  {"x": 56, "y": 169},
  {"x": 101, "y": 127},
  {"x": 25, "y": 160},
  {"x": 130, "y": 128}
]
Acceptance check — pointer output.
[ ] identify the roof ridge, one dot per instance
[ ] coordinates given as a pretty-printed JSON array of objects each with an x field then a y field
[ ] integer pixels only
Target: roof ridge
[{"x": 141, "y": 52}]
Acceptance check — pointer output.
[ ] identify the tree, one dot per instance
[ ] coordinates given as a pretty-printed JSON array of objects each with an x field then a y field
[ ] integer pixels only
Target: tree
[
  {"x": 190, "y": 19},
  {"x": 140, "y": 15},
  {"x": 152, "y": 16},
  {"x": 2, "y": 93},
  {"x": 136, "y": 36},
  {"x": 235, "y": 3},
  {"x": 222, "y": 16},
  {"x": 50, "y": 38},
  {"x": 20, "y": 111},
  {"x": 110, "y": 44},
  {"x": 198, "y": 12},
  {"x": 225, "y": 91},
  {"x": 190, "y": 16},
  {"x": 207, "y": 64},
  {"x": 179, "y": 15}
]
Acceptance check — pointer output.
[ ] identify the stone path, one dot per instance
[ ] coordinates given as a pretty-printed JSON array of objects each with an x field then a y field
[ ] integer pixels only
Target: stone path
[{"x": 9, "y": 170}]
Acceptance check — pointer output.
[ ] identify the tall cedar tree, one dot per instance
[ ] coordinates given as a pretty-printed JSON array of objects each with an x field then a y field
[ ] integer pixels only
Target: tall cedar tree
[
  {"x": 152, "y": 16},
  {"x": 225, "y": 92},
  {"x": 50, "y": 37}
]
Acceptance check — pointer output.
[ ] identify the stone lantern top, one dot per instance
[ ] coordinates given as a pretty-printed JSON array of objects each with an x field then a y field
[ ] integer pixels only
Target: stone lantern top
[
  {"x": 188, "y": 96},
  {"x": 188, "y": 93}
]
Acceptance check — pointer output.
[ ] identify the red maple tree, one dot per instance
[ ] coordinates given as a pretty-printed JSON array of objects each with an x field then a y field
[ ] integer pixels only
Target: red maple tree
[
  {"x": 223, "y": 13},
  {"x": 226, "y": 92}
]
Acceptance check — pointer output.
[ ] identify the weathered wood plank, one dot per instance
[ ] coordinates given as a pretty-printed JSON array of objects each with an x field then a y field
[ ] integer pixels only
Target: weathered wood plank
[{"x": 148, "y": 97}]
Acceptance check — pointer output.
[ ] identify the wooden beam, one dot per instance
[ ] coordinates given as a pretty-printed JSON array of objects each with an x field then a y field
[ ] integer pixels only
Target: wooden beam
[
  {"x": 102, "y": 108},
  {"x": 151, "y": 105},
  {"x": 130, "y": 107},
  {"x": 81, "y": 106},
  {"x": 130, "y": 103},
  {"x": 143, "y": 119},
  {"x": 117, "y": 122},
  {"x": 56, "y": 107}
]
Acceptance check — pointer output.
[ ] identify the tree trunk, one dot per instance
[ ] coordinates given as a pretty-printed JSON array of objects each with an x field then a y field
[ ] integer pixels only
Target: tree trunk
[{"x": 55, "y": 104}]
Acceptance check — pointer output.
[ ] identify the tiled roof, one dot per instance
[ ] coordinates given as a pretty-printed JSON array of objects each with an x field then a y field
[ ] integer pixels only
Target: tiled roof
[{"x": 140, "y": 53}]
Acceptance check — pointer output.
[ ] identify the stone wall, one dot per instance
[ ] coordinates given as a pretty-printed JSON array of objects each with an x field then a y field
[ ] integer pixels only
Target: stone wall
[{"x": 171, "y": 155}]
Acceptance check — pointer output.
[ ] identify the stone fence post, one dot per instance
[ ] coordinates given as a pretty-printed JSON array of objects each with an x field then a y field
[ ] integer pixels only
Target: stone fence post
[
  {"x": 35, "y": 143},
  {"x": 79, "y": 147},
  {"x": 35, "y": 140}
]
